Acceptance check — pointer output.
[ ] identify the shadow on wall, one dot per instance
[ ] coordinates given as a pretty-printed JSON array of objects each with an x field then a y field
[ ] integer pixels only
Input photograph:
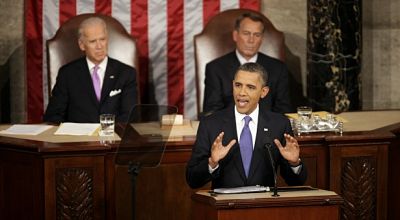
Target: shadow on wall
[
  {"x": 5, "y": 112},
  {"x": 12, "y": 88},
  {"x": 295, "y": 83}
]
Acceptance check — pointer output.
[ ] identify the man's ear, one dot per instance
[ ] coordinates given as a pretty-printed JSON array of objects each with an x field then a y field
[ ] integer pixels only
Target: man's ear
[
  {"x": 264, "y": 91},
  {"x": 81, "y": 45},
  {"x": 234, "y": 35}
]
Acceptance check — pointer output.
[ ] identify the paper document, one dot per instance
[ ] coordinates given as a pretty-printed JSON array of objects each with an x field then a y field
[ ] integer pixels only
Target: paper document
[
  {"x": 26, "y": 129},
  {"x": 244, "y": 189},
  {"x": 69, "y": 128}
]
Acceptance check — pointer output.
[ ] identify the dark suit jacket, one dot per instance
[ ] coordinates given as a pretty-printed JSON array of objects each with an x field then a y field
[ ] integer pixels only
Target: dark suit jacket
[
  {"x": 74, "y": 100},
  {"x": 218, "y": 84},
  {"x": 231, "y": 172}
]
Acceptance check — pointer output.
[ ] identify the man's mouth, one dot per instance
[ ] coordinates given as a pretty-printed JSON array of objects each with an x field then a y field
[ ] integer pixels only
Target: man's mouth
[
  {"x": 250, "y": 48},
  {"x": 242, "y": 102}
]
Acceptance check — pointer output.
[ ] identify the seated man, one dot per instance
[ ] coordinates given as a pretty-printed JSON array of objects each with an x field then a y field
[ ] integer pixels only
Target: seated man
[
  {"x": 94, "y": 84},
  {"x": 218, "y": 157},
  {"x": 248, "y": 35}
]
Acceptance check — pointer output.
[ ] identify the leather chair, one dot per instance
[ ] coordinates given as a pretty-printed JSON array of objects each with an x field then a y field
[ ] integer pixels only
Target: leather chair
[
  {"x": 216, "y": 40},
  {"x": 63, "y": 47}
]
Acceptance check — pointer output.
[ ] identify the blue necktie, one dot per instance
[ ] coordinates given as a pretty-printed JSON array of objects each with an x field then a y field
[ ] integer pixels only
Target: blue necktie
[{"x": 246, "y": 145}]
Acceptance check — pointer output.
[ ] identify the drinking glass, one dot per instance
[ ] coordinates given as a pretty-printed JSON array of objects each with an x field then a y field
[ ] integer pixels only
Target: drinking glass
[
  {"x": 107, "y": 122},
  {"x": 304, "y": 112}
]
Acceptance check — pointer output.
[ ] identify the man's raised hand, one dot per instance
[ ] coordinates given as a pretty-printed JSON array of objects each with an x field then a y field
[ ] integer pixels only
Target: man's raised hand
[
  {"x": 291, "y": 151},
  {"x": 218, "y": 150}
]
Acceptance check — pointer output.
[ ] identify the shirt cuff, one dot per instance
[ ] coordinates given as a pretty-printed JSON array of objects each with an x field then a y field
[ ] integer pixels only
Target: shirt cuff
[
  {"x": 211, "y": 170},
  {"x": 297, "y": 169}
]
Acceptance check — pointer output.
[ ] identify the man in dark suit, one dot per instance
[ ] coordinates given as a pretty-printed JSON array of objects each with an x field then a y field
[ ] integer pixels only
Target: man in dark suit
[
  {"x": 94, "y": 84},
  {"x": 219, "y": 158},
  {"x": 248, "y": 35}
]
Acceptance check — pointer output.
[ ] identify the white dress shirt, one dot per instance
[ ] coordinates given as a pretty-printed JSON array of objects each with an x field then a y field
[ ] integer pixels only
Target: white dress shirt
[
  {"x": 239, "y": 119},
  {"x": 253, "y": 129},
  {"x": 243, "y": 60},
  {"x": 101, "y": 71}
]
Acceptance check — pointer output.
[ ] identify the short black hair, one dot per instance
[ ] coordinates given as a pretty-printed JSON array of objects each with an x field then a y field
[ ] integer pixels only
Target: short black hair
[
  {"x": 255, "y": 68},
  {"x": 252, "y": 16}
]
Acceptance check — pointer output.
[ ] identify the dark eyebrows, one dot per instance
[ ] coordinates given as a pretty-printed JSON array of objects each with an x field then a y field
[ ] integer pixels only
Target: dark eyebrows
[{"x": 251, "y": 86}]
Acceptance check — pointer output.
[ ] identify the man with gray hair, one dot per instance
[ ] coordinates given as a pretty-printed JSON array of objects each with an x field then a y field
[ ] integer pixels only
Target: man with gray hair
[
  {"x": 94, "y": 84},
  {"x": 247, "y": 35}
]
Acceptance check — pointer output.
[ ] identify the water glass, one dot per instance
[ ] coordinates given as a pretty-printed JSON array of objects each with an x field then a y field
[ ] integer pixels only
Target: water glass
[
  {"x": 340, "y": 128},
  {"x": 107, "y": 123},
  {"x": 304, "y": 112}
]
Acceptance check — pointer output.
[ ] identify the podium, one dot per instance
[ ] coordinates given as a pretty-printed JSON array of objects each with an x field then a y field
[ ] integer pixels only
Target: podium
[{"x": 300, "y": 205}]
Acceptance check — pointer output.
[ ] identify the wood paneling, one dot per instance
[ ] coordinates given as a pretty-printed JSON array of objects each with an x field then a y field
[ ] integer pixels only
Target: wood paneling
[
  {"x": 263, "y": 206},
  {"x": 75, "y": 187},
  {"x": 31, "y": 171}
]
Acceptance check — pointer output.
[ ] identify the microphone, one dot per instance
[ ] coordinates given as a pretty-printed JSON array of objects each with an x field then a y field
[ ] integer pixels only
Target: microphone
[{"x": 268, "y": 147}]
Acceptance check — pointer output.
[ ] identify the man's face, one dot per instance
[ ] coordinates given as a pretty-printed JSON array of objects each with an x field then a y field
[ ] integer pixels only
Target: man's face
[
  {"x": 94, "y": 42},
  {"x": 247, "y": 91},
  {"x": 248, "y": 38}
]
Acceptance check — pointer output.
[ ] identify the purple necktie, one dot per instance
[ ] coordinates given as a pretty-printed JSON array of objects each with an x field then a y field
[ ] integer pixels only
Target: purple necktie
[
  {"x": 96, "y": 82},
  {"x": 246, "y": 145}
]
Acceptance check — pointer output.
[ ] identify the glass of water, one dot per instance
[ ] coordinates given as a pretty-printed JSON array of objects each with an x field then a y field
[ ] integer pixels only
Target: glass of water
[
  {"x": 107, "y": 122},
  {"x": 304, "y": 112}
]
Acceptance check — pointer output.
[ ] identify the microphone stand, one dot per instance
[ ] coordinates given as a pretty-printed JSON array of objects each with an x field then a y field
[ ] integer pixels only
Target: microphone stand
[
  {"x": 268, "y": 146},
  {"x": 133, "y": 170}
]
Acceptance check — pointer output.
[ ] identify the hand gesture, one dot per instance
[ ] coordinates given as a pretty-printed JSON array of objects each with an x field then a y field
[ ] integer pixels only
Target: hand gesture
[
  {"x": 219, "y": 151},
  {"x": 291, "y": 151}
]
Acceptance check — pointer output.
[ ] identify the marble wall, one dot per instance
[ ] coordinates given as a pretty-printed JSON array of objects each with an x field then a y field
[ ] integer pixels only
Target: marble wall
[
  {"x": 12, "y": 68},
  {"x": 334, "y": 54},
  {"x": 290, "y": 17},
  {"x": 381, "y": 54},
  {"x": 380, "y": 46}
]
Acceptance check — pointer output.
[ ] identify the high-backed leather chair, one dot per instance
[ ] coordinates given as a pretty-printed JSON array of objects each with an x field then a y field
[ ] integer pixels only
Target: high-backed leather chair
[
  {"x": 63, "y": 47},
  {"x": 216, "y": 40}
]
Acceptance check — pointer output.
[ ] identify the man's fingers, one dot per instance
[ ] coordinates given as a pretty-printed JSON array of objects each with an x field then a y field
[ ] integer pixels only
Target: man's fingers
[
  {"x": 218, "y": 139},
  {"x": 220, "y": 136},
  {"x": 278, "y": 144},
  {"x": 288, "y": 138},
  {"x": 291, "y": 140},
  {"x": 231, "y": 143},
  {"x": 218, "y": 142}
]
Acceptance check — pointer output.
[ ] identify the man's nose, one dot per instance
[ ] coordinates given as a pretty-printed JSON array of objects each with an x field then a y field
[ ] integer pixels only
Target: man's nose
[
  {"x": 251, "y": 38},
  {"x": 243, "y": 91},
  {"x": 98, "y": 44}
]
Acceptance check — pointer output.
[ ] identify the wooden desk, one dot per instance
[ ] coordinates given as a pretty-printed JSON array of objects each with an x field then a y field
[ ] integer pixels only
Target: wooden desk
[
  {"x": 300, "y": 205},
  {"x": 39, "y": 176},
  {"x": 79, "y": 178}
]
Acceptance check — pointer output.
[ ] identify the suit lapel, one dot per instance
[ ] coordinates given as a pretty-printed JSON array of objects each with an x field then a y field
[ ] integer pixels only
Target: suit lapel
[
  {"x": 109, "y": 81},
  {"x": 86, "y": 79},
  {"x": 229, "y": 128},
  {"x": 233, "y": 64},
  {"x": 262, "y": 137}
]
